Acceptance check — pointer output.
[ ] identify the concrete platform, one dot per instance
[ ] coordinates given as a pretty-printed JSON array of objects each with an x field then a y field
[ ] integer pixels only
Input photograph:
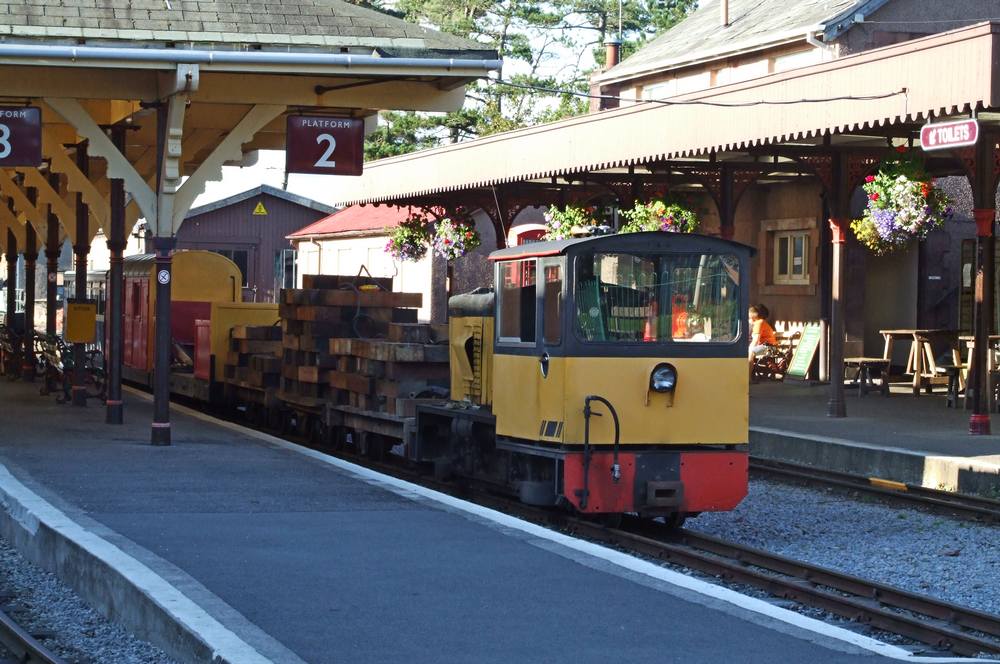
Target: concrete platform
[
  {"x": 900, "y": 437},
  {"x": 233, "y": 546}
]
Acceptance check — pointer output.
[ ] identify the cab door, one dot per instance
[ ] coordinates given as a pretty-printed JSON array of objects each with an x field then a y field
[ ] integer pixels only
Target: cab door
[
  {"x": 517, "y": 351},
  {"x": 552, "y": 361}
]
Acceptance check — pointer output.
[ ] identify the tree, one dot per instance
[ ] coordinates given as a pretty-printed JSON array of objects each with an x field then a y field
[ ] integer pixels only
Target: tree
[{"x": 543, "y": 45}]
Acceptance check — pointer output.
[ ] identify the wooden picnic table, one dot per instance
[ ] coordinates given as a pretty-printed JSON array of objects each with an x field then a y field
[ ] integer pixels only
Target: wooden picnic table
[
  {"x": 920, "y": 361},
  {"x": 970, "y": 342}
]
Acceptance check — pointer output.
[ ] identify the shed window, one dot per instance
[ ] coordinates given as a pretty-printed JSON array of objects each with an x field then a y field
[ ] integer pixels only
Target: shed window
[
  {"x": 517, "y": 301},
  {"x": 240, "y": 257}
]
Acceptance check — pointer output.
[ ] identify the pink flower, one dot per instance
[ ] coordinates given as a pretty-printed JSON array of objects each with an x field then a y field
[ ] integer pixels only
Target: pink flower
[
  {"x": 870, "y": 178},
  {"x": 874, "y": 196}
]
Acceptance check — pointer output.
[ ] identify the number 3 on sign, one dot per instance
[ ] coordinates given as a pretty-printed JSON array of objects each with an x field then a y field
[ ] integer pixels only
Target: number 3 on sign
[
  {"x": 331, "y": 145},
  {"x": 4, "y": 141}
]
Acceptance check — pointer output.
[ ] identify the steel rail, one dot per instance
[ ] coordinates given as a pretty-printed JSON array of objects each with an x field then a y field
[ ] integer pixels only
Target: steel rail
[
  {"x": 976, "y": 508},
  {"x": 22, "y": 645}
]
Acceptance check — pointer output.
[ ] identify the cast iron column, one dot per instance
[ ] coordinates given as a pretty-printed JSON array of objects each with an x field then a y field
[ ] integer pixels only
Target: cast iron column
[
  {"x": 114, "y": 311},
  {"x": 835, "y": 406},
  {"x": 11, "y": 363},
  {"x": 30, "y": 261},
  {"x": 727, "y": 207},
  {"x": 163, "y": 246},
  {"x": 81, "y": 250},
  {"x": 53, "y": 248},
  {"x": 11, "y": 278},
  {"x": 979, "y": 421}
]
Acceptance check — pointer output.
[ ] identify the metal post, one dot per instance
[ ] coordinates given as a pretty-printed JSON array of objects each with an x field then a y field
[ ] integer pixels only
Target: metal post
[
  {"x": 836, "y": 406},
  {"x": 30, "y": 259},
  {"x": 162, "y": 246},
  {"x": 161, "y": 369},
  {"x": 727, "y": 206},
  {"x": 979, "y": 421},
  {"x": 53, "y": 249},
  {"x": 11, "y": 278},
  {"x": 116, "y": 291},
  {"x": 81, "y": 250}
]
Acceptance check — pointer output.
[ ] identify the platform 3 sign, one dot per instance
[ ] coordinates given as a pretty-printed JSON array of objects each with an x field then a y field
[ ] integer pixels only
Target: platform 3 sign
[
  {"x": 945, "y": 135},
  {"x": 324, "y": 145},
  {"x": 20, "y": 136}
]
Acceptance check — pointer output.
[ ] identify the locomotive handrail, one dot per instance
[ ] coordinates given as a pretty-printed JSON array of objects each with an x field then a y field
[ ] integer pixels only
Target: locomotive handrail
[{"x": 616, "y": 471}]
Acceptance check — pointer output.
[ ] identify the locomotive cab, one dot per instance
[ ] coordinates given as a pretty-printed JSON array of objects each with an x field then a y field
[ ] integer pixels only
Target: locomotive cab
[{"x": 618, "y": 381}]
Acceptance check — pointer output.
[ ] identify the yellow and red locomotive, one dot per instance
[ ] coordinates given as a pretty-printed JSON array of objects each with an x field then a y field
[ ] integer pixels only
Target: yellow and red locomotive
[{"x": 608, "y": 373}]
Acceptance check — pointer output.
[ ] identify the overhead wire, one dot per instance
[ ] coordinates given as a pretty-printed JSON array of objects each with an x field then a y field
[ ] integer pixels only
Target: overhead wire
[{"x": 696, "y": 102}]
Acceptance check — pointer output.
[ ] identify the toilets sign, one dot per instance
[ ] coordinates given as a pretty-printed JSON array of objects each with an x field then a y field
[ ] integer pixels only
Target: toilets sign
[{"x": 945, "y": 135}]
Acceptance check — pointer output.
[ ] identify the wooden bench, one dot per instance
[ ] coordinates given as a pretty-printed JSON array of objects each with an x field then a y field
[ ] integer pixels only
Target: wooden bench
[
  {"x": 954, "y": 373},
  {"x": 863, "y": 376}
]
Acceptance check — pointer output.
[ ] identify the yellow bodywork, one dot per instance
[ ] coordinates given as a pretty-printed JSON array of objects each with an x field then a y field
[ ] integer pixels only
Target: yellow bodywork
[
  {"x": 710, "y": 404},
  {"x": 226, "y": 315},
  {"x": 471, "y": 378}
]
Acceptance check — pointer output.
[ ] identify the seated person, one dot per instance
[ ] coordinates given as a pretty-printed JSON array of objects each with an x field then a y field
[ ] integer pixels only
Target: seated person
[{"x": 761, "y": 333}]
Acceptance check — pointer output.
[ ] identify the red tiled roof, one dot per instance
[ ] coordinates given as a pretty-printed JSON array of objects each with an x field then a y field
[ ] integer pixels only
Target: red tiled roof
[{"x": 355, "y": 218}]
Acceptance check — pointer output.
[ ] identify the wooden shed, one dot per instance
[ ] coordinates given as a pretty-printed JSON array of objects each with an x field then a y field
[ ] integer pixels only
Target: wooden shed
[{"x": 250, "y": 229}]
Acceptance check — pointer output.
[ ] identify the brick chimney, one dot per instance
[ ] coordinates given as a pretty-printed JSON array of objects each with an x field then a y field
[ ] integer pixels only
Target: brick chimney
[{"x": 612, "y": 52}]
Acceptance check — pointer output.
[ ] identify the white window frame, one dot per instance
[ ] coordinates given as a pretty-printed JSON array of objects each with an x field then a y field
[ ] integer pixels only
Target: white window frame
[{"x": 790, "y": 279}]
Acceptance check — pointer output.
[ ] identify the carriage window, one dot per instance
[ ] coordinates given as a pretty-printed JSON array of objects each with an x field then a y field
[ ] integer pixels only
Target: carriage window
[
  {"x": 552, "y": 311},
  {"x": 650, "y": 298},
  {"x": 517, "y": 301}
]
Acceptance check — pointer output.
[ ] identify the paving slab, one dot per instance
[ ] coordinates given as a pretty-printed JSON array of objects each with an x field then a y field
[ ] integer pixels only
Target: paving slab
[
  {"x": 907, "y": 438},
  {"x": 295, "y": 559}
]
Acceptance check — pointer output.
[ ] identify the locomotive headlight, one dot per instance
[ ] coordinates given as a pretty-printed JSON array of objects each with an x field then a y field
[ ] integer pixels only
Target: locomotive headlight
[{"x": 663, "y": 379}]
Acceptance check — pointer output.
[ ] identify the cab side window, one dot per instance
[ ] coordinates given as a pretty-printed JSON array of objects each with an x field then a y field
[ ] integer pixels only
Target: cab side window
[
  {"x": 552, "y": 308},
  {"x": 517, "y": 301}
]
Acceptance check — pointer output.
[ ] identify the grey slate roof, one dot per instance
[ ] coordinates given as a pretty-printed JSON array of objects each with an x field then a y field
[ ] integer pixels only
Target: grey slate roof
[
  {"x": 753, "y": 24},
  {"x": 277, "y": 24},
  {"x": 257, "y": 191}
]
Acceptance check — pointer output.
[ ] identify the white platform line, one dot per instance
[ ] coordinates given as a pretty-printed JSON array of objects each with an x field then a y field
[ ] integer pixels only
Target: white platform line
[
  {"x": 32, "y": 512},
  {"x": 623, "y": 560}
]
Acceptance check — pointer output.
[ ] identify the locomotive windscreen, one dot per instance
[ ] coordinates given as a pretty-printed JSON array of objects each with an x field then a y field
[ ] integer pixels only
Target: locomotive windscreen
[{"x": 657, "y": 297}]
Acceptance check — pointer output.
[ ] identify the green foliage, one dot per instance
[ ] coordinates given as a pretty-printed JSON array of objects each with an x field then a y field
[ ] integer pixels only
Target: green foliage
[
  {"x": 529, "y": 37},
  {"x": 410, "y": 239}
]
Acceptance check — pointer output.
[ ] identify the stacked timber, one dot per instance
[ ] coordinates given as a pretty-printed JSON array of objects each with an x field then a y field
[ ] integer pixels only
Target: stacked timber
[
  {"x": 252, "y": 368},
  {"x": 391, "y": 375},
  {"x": 332, "y": 307}
]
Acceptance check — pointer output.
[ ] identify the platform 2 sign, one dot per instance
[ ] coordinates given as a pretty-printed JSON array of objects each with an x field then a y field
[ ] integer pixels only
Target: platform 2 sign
[
  {"x": 324, "y": 145},
  {"x": 805, "y": 351},
  {"x": 945, "y": 135},
  {"x": 20, "y": 136}
]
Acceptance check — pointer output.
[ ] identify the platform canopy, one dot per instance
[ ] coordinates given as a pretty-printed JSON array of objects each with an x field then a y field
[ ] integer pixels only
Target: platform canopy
[
  {"x": 225, "y": 75},
  {"x": 857, "y": 101}
]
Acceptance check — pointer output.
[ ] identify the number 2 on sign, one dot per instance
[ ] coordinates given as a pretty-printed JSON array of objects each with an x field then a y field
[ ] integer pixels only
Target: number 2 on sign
[
  {"x": 4, "y": 141},
  {"x": 331, "y": 145}
]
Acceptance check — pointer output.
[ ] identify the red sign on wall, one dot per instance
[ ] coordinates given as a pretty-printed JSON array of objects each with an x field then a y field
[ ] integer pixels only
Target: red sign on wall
[
  {"x": 324, "y": 145},
  {"x": 944, "y": 135},
  {"x": 20, "y": 136}
]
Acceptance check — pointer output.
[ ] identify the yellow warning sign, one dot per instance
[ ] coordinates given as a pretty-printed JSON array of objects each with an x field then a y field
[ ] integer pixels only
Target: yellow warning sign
[{"x": 260, "y": 210}]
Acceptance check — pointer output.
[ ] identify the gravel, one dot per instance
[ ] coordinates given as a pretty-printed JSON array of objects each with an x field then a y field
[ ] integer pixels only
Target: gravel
[
  {"x": 74, "y": 631},
  {"x": 947, "y": 558}
]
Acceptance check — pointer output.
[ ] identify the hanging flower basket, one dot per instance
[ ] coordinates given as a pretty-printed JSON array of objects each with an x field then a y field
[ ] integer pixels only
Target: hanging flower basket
[
  {"x": 568, "y": 222},
  {"x": 903, "y": 205},
  {"x": 409, "y": 240},
  {"x": 659, "y": 216},
  {"x": 454, "y": 239}
]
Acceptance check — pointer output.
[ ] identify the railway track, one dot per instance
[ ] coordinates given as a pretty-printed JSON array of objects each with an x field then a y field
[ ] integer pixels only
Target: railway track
[
  {"x": 946, "y": 502},
  {"x": 22, "y": 646}
]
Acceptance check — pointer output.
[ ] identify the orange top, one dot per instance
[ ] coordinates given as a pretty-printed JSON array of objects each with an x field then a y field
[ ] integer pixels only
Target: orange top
[{"x": 764, "y": 333}]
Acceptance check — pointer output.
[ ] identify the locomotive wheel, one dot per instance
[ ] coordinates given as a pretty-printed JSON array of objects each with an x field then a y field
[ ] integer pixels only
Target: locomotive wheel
[
  {"x": 613, "y": 521},
  {"x": 675, "y": 520}
]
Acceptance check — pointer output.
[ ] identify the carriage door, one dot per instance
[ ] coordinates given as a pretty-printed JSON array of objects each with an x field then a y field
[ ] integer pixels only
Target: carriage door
[{"x": 552, "y": 363}]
